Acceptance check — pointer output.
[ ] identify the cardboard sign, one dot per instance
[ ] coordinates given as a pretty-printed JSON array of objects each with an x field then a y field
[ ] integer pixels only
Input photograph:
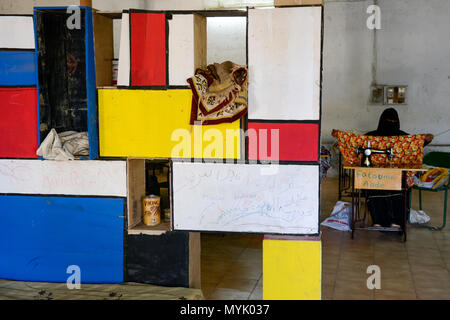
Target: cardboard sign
[{"x": 378, "y": 178}]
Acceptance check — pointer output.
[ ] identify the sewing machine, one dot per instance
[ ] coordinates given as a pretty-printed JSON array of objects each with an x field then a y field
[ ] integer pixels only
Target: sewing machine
[{"x": 368, "y": 151}]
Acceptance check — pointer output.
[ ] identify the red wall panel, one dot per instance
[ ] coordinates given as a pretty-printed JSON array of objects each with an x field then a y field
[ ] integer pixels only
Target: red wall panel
[
  {"x": 18, "y": 123},
  {"x": 148, "y": 49},
  {"x": 293, "y": 141}
]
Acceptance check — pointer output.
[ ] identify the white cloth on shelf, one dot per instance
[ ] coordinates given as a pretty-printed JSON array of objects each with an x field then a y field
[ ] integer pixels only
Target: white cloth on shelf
[
  {"x": 76, "y": 143},
  {"x": 64, "y": 146}
]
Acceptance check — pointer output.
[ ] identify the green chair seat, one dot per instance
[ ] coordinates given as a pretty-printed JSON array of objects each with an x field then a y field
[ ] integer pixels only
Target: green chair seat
[
  {"x": 440, "y": 160},
  {"x": 432, "y": 190}
]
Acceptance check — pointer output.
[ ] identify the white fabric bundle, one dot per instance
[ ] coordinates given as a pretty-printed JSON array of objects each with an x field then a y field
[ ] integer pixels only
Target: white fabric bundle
[{"x": 64, "y": 146}]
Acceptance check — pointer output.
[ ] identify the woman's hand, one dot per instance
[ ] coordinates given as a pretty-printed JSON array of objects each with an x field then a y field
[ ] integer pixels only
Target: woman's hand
[
  {"x": 334, "y": 133},
  {"x": 429, "y": 137}
]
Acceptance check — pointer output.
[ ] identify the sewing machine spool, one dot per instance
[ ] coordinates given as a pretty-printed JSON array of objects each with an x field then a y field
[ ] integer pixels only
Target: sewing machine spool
[{"x": 367, "y": 152}]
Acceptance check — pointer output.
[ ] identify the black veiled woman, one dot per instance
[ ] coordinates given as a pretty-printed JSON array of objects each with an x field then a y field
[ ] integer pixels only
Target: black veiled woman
[{"x": 387, "y": 207}]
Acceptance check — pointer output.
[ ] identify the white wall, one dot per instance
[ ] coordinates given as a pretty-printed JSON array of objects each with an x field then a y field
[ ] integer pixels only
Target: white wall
[
  {"x": 414, "y": 49},
  {"x": 411, "y": 50},
  {"x": 226, "y": 38},
  {"x": 26, "y": 6}
]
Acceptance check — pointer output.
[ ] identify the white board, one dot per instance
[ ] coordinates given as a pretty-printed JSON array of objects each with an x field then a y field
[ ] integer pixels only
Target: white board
[
  {"x": 181, "y": 49},
  {"x": 284, "y": 47},
  {"x": 78, "y": 177},
  {"x": 123, "y": 71},
  {"x": 16, "y": 32},
  {"x": 246, "y": 198}
]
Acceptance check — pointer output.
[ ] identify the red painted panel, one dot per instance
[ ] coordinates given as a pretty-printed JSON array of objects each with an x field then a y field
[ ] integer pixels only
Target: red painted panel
[
  {"x": 18, "y": 123},
  {"x": 292, "y": 141},
  {"x": 148, "y": 49}
]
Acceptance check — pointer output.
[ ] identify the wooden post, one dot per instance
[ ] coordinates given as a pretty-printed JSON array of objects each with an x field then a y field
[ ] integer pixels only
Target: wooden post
[
  {"x": 86, "y": 3},
  {"x": 292, "y": 268},
  {"x": 103, "y": 48},
  {"x": 195, "y": 260}
]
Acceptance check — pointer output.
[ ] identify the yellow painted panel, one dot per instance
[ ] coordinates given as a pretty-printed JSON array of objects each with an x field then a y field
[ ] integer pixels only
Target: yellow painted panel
[
  {"x": 291, "y": 270},
  {"x": 155, "y": 123}
]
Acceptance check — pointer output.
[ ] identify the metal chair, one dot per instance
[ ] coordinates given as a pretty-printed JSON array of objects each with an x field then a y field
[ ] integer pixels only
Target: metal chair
[{"x": 441, "y": 160}]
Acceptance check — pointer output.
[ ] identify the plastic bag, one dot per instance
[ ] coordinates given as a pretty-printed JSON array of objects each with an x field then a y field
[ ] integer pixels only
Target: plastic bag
[
  {"x": 340, "y": 217},
  {"x": 418, "y": 217}
]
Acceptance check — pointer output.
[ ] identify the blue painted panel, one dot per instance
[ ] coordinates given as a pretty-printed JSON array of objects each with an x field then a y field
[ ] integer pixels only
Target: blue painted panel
[
  {"x": 91, "y": 86},
  {"x": 41, "y": 236},
  {"x": 17, "y": 68}
]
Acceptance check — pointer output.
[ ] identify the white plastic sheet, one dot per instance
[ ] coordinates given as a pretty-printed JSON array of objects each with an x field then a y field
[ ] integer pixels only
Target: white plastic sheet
[{"x": 418, "y": 217}]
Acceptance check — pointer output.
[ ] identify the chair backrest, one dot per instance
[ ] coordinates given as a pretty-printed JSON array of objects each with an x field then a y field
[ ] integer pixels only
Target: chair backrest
[{"x": 437, "y": 159}]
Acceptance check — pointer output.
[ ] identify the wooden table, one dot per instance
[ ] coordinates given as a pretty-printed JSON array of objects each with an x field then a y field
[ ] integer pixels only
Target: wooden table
[{"x": 378, "y": 178}]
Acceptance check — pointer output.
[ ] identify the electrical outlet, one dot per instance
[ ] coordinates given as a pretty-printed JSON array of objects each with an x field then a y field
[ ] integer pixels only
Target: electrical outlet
[
  {"x": 377, "y": 94},
  {"x": 395, "y": 94}
]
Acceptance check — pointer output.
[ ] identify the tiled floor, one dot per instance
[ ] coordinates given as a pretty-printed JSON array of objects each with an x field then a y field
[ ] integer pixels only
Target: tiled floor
[{"x": 416, "y": 269}]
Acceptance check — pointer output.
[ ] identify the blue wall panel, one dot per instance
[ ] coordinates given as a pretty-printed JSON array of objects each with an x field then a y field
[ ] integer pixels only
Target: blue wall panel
[
  {"x": 41, "y": 236},
  {"x": 91, "y": 86},
  {"x": 17, "y": 68}
]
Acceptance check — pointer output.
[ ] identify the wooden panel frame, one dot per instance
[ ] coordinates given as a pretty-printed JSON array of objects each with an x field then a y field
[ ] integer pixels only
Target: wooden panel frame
[
  {"x": 103, "y": 48},
  {"x": 200, "y": 41},
  {"x": 136, "y": 191}
]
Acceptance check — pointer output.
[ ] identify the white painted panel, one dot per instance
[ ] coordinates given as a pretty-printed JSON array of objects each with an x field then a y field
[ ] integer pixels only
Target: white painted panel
[
  {"x": 123, "y": 72},
  {"x": 117, "y": 33},
  {"x": 16, "y": 32},
  {"x": 79, "y": 177},
  {"x": 181, "y": 49},
  {"x": 246, "y": 198},
  {"x": 284, "y": 63},
  {"x": 227, "y": 40}
]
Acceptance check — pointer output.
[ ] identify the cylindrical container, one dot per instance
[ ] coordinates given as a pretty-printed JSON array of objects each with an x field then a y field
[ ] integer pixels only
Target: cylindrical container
[
  {"x": 115, "y": 71},
  {"x": 151, "y": 210},
  {"x": 167, "y": 215}
]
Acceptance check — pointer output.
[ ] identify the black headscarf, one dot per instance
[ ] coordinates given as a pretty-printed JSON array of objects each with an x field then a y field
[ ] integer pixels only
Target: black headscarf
[{"x": 389, "y": 124}]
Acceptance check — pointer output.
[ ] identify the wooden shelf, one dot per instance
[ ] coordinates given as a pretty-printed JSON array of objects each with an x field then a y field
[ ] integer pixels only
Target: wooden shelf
[{"x": 141, "y": 228}]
